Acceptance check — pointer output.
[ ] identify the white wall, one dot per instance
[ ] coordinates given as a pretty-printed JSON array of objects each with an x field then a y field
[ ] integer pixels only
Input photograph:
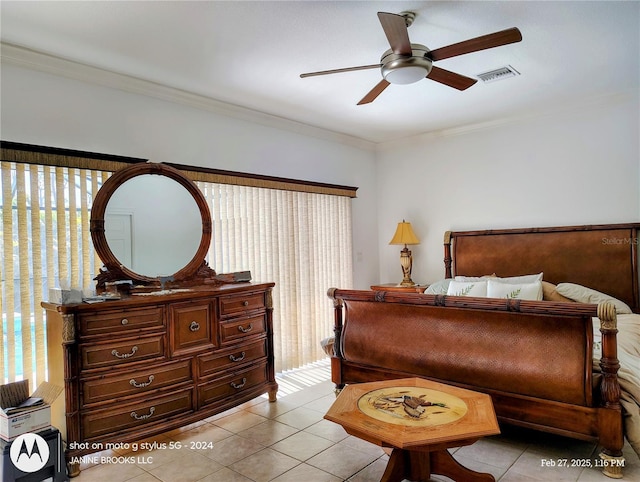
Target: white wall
[
  {"x": 577, "y": 166},
  {"x": 44, "y": 109}
]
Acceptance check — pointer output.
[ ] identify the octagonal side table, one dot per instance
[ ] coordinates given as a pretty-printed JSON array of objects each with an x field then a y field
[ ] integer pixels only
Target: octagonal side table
[{"x": 419, "y": 419}]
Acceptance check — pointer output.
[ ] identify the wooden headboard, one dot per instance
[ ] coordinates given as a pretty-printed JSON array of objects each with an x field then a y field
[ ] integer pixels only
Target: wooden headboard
[{"x": 601, "y": 257}]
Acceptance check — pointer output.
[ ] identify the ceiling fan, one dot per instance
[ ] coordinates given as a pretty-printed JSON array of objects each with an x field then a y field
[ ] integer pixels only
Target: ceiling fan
[{"x": 406, "y": 62}]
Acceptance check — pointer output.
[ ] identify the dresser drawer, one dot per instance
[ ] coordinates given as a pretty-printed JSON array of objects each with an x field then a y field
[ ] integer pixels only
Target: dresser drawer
[
  {"x": 191, "y": 327},
  {"x": 239, "y": 304},
  {"x": 239, "y": 328},
  {"x": 216, "y": 362},
  {"x": 134, "y": 382},
  {"x": 135, "y": 414},
  {"x": 231, "y": 385},
  {"x": 111, "y": 322},
  {"x": 98, "y": 355}
]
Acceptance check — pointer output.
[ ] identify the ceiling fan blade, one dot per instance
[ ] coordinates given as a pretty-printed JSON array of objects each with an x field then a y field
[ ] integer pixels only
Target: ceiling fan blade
[
  {"x": 338, "y": 71},
  {"x": 395, "y": 28},
  {"x": 451, "y": 79},
  {"x": 484, "y": 42},
  {"x": 375, "y": 92}
]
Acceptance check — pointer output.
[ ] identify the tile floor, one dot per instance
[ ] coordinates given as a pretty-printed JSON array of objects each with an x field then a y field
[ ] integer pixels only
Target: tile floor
[{"x": 289, "y": 441}]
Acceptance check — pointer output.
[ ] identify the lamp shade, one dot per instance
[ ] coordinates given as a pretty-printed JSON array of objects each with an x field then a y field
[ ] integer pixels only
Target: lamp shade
[{"x": 404, "y": 234}]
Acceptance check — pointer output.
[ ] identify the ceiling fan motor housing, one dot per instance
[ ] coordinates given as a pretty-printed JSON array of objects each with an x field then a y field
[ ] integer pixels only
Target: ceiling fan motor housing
[{"x": 404, "y": 69}]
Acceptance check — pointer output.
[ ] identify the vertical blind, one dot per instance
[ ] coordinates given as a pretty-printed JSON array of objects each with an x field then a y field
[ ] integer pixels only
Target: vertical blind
[
  {"x": 45, "y": 244},
  {"x": 299, "y": 240}
]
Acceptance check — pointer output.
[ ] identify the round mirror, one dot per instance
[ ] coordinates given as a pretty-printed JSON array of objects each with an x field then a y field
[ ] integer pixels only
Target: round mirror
[{"x": 149, "y": 222}]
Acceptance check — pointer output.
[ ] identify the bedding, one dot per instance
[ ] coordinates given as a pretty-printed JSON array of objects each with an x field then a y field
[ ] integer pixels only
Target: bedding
[
  {"x": 514, "y": 291},
  {"x": 527, "y": 278},
  {"x": 461, "y": 284},
  {"x": 440, "y": 287},
  {"x": 468, "y": 288},
  {"x": 582, "y": 294},
  {"x": 628, "y": 374},
  {"x": 550, "y": 293},
  {"x": 495, "y": 288}
]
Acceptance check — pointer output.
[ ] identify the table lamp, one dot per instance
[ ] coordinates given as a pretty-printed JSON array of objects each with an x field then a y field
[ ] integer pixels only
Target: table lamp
[{"x": 405, "y": 235}]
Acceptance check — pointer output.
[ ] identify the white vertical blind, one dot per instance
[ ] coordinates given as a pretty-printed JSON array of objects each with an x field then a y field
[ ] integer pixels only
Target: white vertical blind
[{"x": 45, "y": 243}]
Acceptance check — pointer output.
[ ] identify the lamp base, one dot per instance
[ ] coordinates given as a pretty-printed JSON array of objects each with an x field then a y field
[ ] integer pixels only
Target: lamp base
[{"x": 406, "y": 262}]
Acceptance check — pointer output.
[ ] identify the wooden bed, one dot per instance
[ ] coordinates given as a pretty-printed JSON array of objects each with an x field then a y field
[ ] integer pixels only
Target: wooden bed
[{"x": 535, "y": 358}]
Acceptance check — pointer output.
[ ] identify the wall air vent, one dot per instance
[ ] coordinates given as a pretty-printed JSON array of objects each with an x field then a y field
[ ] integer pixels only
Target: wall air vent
[{"x": 498, "y": 74}]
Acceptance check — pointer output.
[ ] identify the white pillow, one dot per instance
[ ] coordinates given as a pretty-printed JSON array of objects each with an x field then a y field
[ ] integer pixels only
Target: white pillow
[
  {"x": 521, "y": 291},
  {"x": 474, "y": 278},
  {"x": 582, "y": 294},
  {"x": 467, "y": 288},
  {"x": 438, "y": 288},
  {"x": 528, "y": 278}
]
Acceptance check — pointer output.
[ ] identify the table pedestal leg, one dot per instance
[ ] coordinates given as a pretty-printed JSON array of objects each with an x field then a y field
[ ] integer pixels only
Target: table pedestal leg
[{"x": 417, "y": 466}]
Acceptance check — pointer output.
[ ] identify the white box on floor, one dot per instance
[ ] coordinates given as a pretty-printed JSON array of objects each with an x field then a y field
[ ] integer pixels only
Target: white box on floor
[
  {"x": 12, "y": 426},
  {"x": 14, "y": 423}
]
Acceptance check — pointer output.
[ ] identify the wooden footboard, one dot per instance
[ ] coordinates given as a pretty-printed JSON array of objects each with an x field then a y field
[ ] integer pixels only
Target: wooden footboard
[{"x": 534, "y": 358}]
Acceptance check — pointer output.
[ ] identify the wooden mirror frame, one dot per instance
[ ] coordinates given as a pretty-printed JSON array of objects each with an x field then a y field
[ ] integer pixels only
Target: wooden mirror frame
[{"x": 195, "y": 272}]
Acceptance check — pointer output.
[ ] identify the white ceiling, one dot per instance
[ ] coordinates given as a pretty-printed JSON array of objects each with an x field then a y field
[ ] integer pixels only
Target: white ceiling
[{"x": 250, "y": 54}]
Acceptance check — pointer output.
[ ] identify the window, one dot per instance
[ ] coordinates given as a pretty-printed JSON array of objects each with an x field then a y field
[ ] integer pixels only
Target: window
[
  {"x": 45, "y": 243},
  {"x": 296, "y": 234}
]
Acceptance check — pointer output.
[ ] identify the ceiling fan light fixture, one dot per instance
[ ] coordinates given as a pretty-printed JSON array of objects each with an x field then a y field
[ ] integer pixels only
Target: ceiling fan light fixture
[
  {"x": 404, "y": 69},
  {"x": 406, "y": 75}
]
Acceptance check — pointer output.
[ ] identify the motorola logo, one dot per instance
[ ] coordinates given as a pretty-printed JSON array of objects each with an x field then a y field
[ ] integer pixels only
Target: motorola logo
[{"x": 29, "y": 452}]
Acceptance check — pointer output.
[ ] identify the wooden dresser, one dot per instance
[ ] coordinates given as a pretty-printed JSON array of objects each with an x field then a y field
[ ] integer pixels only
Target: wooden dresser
[{"x": 140, "y": 366}]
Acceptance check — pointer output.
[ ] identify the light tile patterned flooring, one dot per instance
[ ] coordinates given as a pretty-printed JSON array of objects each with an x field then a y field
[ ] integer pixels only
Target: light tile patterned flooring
[{"x": 289, "y": 441}]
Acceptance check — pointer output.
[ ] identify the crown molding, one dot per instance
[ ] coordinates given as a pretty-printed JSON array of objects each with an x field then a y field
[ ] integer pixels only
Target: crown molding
[{"x": 37, "y": 60}]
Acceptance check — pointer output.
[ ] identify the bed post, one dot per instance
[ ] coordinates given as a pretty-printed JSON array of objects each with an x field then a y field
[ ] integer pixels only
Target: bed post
[
  {"x": 336, "y": 359},
  {"x": 447, "y": 255},
  {"x": 612, "y": 440}
]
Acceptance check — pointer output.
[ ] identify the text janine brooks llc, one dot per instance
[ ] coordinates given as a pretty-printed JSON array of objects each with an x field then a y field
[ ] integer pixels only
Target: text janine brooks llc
[{"x": 120, "y": 459}]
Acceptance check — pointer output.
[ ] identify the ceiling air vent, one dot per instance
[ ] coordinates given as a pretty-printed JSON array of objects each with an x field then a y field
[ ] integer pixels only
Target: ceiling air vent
[{"x": 498, "y": 74}]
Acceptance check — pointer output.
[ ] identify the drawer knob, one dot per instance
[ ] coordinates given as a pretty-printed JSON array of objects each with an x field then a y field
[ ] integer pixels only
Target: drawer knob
[
  {"x": 245, "y": 303},
  {"x": 143, "y": 384},
  {"x": 238, "y": 386},
  {"x": 194, "y": 326},
  {"x": 124, "y": 321},
  {"x": 247, "y": 329},
  {"x": 143, "y": 417},
  {"x": 237, "y": 359},
  {"x": 125, "y": 355}
]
